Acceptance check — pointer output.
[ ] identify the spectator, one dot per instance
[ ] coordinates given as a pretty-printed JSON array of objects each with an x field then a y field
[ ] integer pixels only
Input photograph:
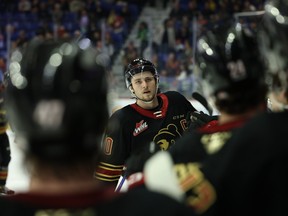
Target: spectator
[
  {"x": 57, "y": 14},
  {"x": 84, "y": 21},
  {"x": 169, "y": 36},
  {"x": 24, "y": 6},
  {"x": 130, "y": 53},
  {"x": 143, "y": 36}
]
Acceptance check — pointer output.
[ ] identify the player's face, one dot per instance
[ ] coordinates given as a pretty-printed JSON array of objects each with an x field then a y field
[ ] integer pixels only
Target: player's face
[{"x": 144, "y": 86}]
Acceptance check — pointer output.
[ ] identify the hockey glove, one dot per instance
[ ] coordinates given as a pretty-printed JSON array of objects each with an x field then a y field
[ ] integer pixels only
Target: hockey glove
[{"x": 198, "y": 119}]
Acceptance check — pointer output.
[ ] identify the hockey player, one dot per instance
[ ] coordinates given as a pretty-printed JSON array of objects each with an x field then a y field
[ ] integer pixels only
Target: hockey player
[
  {"x": 251, "y": 178},
  {"x": 157, "y": 117},
  {"x": 5, "y": 153},
  {"x": 57, "y": 103},
  {"x": 233, "y": 72}
]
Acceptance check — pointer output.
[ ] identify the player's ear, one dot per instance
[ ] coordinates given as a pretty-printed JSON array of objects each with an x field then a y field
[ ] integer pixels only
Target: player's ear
[{"x": 131, "y": 89}]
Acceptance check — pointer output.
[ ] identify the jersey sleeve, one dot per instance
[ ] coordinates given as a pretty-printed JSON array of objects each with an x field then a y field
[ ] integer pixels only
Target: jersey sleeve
[
  {"x": 180, "y": 100},
  {"x": 114, "y": 149}
]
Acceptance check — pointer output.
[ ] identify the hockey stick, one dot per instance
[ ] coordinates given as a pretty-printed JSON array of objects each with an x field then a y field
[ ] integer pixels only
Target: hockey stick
[
  {"x": 197, "y": 96},
  {"x": 121, "y": 183}
]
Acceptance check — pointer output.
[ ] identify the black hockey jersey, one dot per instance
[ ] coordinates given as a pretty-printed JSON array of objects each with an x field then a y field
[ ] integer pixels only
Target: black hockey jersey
[
  {"x": 194, "y": 147},
  {"x": 100, "y": 202},
  {"x": 191, "y": 151},
  {"x": 251, "y": 176},
  {"x": 131, "y": 127}
]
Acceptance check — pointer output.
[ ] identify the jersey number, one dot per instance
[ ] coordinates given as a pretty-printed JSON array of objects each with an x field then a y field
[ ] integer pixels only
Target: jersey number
[{"x": 108, "y": 146}]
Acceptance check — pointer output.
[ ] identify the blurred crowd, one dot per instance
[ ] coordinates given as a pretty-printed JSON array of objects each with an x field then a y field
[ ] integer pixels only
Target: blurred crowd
[{"x": 108, "y": 23}]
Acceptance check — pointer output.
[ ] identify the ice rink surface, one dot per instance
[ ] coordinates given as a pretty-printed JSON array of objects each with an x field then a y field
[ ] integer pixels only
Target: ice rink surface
[{"x": 18, "y": 177}]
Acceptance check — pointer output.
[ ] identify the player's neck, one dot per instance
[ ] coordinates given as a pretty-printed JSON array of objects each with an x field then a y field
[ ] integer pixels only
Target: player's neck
[{"x": 154, "y": 103}]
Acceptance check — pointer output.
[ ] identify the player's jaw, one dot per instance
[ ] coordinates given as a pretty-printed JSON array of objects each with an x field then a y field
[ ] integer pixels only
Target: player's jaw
[{"x": 147, "y": 95}]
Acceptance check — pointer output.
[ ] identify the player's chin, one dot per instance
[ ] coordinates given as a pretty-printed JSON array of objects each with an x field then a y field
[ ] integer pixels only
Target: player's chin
[{"x": 147, "y": 98}]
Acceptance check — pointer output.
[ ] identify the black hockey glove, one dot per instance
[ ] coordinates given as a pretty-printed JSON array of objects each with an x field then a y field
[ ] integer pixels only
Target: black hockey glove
[
  {"x": 135, "y": 163},
  {"x": 198, "y": 119}
]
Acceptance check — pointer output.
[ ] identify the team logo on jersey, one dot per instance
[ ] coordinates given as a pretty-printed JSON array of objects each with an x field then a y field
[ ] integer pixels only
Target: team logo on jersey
[
  {"x": 140, "y": 127},
  {"x": 215, "y": 141},
  {"x": 166, "y": 137}
]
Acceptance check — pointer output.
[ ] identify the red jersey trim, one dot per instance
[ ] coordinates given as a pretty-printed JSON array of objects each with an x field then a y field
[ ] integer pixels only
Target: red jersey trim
[
  {"x": 153, "y": 114},
  {"x": 108, "y": 172},
  {"x": 213, "y": 126},
  {"x": 3, "y": 175}
]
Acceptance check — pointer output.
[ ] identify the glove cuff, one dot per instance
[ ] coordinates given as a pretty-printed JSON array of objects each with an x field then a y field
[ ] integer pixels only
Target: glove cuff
[{"x": 135, "y": 180}]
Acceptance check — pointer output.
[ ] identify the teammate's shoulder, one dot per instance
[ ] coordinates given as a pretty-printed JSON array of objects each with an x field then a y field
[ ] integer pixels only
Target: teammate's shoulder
[{"x": 266, "y": 125}]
